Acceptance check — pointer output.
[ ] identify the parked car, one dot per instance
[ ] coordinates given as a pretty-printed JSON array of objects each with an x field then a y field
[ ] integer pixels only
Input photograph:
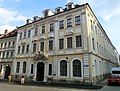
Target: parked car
[{"x": 114, "y": 79}]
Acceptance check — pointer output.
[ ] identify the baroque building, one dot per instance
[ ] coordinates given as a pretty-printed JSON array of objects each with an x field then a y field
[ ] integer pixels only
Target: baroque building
[
  {"x": 65, "y": 46},
  {"x": 7, "y": 50}
]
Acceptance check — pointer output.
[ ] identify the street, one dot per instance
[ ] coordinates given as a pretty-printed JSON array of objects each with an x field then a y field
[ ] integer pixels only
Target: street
[
  {"x": 15, "y": 87},
  {"x": 11, "y": 87},
  {"x": 110, "y": 88}
]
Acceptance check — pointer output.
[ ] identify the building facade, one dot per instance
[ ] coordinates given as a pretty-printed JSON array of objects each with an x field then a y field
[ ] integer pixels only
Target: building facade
[
  {"x": 67, "y": 46},
  {"x": 7, "y": 50}
]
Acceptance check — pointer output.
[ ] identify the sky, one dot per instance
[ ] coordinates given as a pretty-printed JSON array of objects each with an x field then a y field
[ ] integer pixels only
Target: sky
[{"x": 15, "y": 12}]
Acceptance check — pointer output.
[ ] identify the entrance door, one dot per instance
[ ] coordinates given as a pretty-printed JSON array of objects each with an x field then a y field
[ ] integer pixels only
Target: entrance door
[
  {"x": 40, "y": 71},
  {"x": 7, "y": 72}
]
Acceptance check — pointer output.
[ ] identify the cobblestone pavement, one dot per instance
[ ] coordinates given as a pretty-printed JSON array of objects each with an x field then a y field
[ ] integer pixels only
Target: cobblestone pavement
[{"x": 11, "y": 87}]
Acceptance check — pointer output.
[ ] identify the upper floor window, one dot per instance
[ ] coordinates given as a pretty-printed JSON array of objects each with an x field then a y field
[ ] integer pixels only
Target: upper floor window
[
  {"x": 11, "y": 53},
  {"x": 69, "y": 22},
  {"x": 61, "y": 24},
  {"x": 19, "y": 49},
  {"x": 77, "y": 20},
  {"x": 42, "y": 46},
  {"x": 93, "y": 43},
  {"x": 51, "y": 27},
  {"x": 29, "y": 33},
  {"x": 9, "y": 43},
  {"x": 20, "y": 35},
  {"x": 3, "y": 55},
  {"x": 34, "y": 47},
  {"x": 13, "y": 44},
  {"x": 43, "y": 29},
  {"x": 69, "y": 42},
  {"x": 27, "y": 48},
  {"x": 5, "y": 45},
  {"x": 51, "y": 45},
  {"x": 61, "y": 43},
  {"x": 25, "y": 34},
  {"x": 36, "y": 31},
  {"x": 23, "y": 49},
  {"x": 78, "y": 41},
  {"x": 1, "y": 45},
  {"x": 7, "y": 55},
  {"x": 91, "y": 24}
]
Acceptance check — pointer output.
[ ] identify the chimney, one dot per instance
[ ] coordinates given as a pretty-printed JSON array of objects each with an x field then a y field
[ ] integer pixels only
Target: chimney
[{"x": 6, "y": 31}]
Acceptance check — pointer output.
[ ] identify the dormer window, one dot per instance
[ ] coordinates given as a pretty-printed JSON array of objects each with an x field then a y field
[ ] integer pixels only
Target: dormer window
[
  {"x": 28, "y": 21},
  {"x": 47, "y": 13},
  {"x": 58, "y": 10},
  {"x": 70, "y": 5},
  {"x": 35, "y": 18}
]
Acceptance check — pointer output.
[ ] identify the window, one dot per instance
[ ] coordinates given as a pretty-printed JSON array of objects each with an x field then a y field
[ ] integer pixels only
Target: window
[
  {"x": 27, "y": 48},
  {"x": 69, "y": 42},
  {"x": 36, "y": 31},
  {"x": 7, "y": 55},
  {"x": 24, "y": 67},
  {"x": 77, "y": 68},
  {"x": 93, "y": 43},
  {"x": 43, "y": 29},
  {"x": 61, "y": 43},
  {"x": 9, "y": 43},
  {"x": 29, "y": 33},
  {"x": 19, "y": 49},
  {"x": 78, "y": 41},
  {"x": 20, "y": 35},
  {"x": 31, "y": 69},
  {"x": 50, "y": 69},
  {"x": 63, "y": 68},
  {"x": 25, "y": 34},
  {"x": 5, "y": 44},
  {"x": 61, "y": 24},
  {"x": 69, "y": 22},
  {"x": 1, "y": 45},
  {"x": 42, "y": 46},
  {"x": 34, "y": 47},
  {"x": 23, "y": 48},
  {"x": 51, "y": 45},
  {"x": 18, "y": 67},
  {"x": 3, "y": 55},
  {"x": 13, "y": 44},
  {"x": 11, "y": 53},
  {"x": 91, "y": 24},
  {"x": 77, "y": 20},
  {"x": 51, "y": 27}
]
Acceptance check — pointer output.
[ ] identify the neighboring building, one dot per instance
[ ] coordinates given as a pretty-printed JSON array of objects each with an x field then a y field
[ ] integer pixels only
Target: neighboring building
[
  {"x": 68, "y": 46},
  {"x": 7, "y": 49}
]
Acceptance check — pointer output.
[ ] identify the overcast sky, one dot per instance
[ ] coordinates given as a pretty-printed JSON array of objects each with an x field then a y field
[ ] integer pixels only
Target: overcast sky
[{"x": 15, "y": 12}]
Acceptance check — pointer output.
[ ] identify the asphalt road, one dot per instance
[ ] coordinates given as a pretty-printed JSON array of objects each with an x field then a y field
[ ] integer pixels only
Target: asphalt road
[
  {"x": 10, "y": 87},
  {"x": 110, "y": 88}
]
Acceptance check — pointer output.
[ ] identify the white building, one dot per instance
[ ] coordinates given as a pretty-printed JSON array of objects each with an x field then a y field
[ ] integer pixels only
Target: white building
[{"x": 68, "y": 46}]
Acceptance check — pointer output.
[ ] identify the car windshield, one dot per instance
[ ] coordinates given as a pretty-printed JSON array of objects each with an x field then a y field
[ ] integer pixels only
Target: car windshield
[{"x": 115, "y": 72}]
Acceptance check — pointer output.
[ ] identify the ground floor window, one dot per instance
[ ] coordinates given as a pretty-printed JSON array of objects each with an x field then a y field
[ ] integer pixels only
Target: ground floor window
[
  {"x": 63, "y": 68},
  {"x": 50, "y": 69},
  {"x": 18, "y": 67},
  {"x": 24, "y": 67},
  {"x": 31, "y": 69},
  {"x": 77, "y": 68}
]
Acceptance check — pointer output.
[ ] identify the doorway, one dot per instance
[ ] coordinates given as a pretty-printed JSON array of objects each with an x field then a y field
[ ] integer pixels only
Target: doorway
[
  {"x": 7, "y": 72},
  {"x": 40, "y": 71}
]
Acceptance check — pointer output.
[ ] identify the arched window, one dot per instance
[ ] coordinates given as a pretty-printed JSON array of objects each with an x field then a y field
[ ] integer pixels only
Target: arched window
[
  {"x": 24, "y": 67},
  {"x": 77, "y": 68},
  {"x": 31, "y": 69},
  {"x": 63, "y": 68},
  {"x": 50, "y": 69},
  {"x": 18, "y": 67}
]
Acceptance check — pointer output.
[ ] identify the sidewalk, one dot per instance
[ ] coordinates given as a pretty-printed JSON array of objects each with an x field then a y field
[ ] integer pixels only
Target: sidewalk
[{"x": 102, "y": 83}]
